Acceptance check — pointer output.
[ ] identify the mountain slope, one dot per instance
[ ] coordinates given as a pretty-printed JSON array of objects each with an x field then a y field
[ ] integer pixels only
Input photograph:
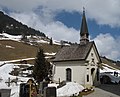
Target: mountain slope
[
  {"x": 109, "y": 62},
  {"x": 13, "y": 27},
  {"x": 13, "y": 50}
]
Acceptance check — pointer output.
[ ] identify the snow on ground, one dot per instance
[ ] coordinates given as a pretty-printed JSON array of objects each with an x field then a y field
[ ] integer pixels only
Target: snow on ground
[
  {"x": 109, "y": 71},
  {"x": 11, "y": 37},
  {"x": 18, "y": 60},
  {"x": 59, "y": 43},
  {"x": 3, "y": 85},
  {"x": 42, "y": 41},
  {"x": 5, "y": 69},
  {"x": 8, "y": 46},
  {"x": 50, "y": 54},
  {"x": 69, "y": 89},
  {"x": 56, "y": 42},
  {"x": 15, "y": 91}
]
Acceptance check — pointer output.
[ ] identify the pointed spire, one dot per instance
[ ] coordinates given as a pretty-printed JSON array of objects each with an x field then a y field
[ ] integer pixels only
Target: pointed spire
[{"x": 84, "y": 29}]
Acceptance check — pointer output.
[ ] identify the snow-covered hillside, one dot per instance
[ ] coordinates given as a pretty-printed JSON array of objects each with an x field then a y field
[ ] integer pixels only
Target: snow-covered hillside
[
  {"x": 30, "y": 39},
  {"x": 111, "y": 72}
]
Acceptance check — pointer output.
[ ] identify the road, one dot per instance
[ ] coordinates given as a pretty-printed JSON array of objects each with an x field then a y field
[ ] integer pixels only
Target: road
[{"x": 105, "y": 90}]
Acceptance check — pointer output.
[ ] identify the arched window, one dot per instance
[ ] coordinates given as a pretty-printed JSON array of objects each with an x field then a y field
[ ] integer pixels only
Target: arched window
[
  {"x": 92, "y": 71},
  {"x": 68, "y": 74}
]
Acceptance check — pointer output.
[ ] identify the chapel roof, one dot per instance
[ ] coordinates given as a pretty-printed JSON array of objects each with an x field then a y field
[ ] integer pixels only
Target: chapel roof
[{"x": 73, "y": 52}]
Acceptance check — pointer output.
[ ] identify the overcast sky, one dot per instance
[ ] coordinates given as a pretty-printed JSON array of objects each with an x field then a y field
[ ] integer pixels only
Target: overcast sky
[{"x": 61, "y": 20}]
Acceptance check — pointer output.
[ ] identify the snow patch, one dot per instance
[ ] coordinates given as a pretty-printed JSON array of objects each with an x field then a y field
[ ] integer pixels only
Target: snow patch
[
  {"x": 109, "y": 71},
  {"x": 50, "y": 54},
  {"x": 69, "y": 89},
  {"x": 6, "y": 36},
  {"x": 8, "y": 46}
]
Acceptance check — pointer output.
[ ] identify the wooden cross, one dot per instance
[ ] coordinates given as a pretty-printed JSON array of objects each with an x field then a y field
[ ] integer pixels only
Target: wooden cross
[{"x": 8, "y": 82}]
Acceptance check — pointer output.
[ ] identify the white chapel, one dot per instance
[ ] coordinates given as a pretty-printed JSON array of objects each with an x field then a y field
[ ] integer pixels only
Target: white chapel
[{"x": 78, "y": 63}]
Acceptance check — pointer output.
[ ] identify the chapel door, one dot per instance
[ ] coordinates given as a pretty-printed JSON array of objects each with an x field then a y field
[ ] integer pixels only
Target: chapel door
[{"x": 93, "y": 76}]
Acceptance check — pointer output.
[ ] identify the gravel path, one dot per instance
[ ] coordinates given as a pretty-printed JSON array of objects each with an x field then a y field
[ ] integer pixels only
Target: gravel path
[{"x": 106, "y": 91}]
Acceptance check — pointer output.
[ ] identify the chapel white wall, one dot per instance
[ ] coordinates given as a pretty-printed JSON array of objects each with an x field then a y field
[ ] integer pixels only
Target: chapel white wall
[
  {"x": 78, "y": 71},
  {"x": 95, "y": 56},
  {"x": 94, "y": 65}
]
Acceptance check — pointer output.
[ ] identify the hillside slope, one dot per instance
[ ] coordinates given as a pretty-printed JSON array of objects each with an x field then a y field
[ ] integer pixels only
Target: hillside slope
[
  {"x": 12, "y": 50},
  {"x": 110, "y": 63},
  {"x": 13, "y": 27}
]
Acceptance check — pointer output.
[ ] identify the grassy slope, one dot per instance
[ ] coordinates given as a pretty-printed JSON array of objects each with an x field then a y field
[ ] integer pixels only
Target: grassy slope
[
  {"x": 22, "y": 50},
  {"x": 105, "y": 61}
]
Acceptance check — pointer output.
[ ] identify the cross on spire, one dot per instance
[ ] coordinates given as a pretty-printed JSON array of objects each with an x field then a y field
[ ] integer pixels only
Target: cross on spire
[{"x": 83, "y": 9}]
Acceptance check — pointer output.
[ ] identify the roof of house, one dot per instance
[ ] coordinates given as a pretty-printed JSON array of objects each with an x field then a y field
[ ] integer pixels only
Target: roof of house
[{"x": 74, "y": 52}]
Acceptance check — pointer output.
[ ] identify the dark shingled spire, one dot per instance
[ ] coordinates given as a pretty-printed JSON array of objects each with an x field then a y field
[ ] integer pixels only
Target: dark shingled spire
[{"x": 84, "y": 30}]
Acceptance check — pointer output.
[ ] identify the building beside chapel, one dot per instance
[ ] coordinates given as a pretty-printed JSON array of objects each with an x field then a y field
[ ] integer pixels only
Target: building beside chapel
[{"x": 78, "y": 63}]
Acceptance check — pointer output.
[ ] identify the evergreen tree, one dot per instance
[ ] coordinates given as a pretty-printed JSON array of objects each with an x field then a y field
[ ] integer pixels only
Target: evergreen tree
[
  {"x": 51, "y": 42},
  {"x": 41, "y": 67}
]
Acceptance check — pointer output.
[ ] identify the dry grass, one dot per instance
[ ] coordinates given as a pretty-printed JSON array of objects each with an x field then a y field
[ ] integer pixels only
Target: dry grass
[
  {"x": 105, "y": 61},
  {"x": 49, "y": 48},
  {"x": 19, "y": 50}
]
